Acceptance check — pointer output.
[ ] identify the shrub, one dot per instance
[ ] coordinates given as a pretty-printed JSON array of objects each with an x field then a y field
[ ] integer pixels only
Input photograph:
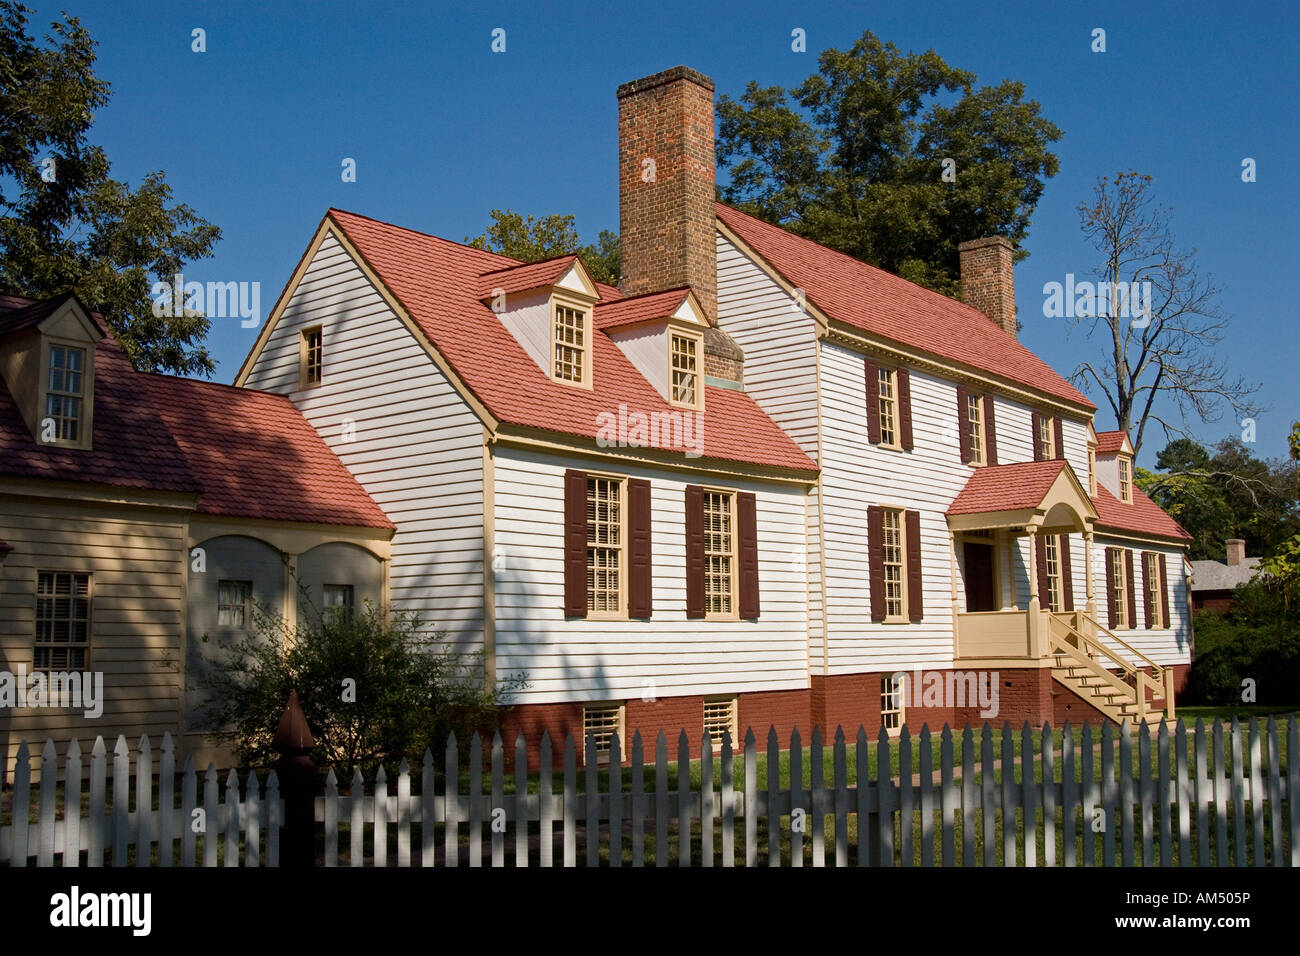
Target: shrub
[
  {"x": 374, "y": 687},
  {"x": 1258, "y": 639}
]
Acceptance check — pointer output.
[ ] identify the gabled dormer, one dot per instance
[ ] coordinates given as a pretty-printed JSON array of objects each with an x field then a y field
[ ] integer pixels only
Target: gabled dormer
[
  {"x": 548, "y": 307},
  {"x": 662, "y": 334},
  {"x": 47, "y": 361},
  {"x": 1115, "y": 465}
]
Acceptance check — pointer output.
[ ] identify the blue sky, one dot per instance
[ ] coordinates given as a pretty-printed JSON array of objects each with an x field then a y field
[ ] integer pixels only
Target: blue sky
[{"x": 252, "y": 132}]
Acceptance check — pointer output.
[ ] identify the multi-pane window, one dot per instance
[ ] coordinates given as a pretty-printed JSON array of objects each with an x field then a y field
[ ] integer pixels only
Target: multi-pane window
[
  {"x": 1052, "y": 547},
  {"x": 1125, "y": 481},
  {"x": 233, "y": 598},
  {"x": 1119, "y": 588},
  {"x": 892, "y": 561},
  {"x": 603, "y": 722},
  {"x": 888, "y": 406},
  {"x": 975, "y": 426},
  {"x": 338, "y": 599},
  {"x": 1047, "y": 436},
  {"x": 685, "y": 370},
  {"x": 312, "y": 356},
  {"x": 1092, "y": 471},
  {"x": 605, "y": 543},
  {"x": 65, "y": 390},
  {"x": 891, "y": 701},
  {"x": 62, "y": 621},
  {"x": 570, "y": 344},
  {"x": 719, "y": 552},
  {"x": 1151, "y": 578},
  {"x": 719, "y": 718}
]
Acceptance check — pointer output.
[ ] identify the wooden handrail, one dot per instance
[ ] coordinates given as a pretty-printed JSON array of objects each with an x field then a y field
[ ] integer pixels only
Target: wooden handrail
[
  {"x": 1124, "y": 644},
  {"x": 1141, "y": 679}
]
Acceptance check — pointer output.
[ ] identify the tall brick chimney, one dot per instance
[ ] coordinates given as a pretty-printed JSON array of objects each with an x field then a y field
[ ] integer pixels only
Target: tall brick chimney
[
  {"x": 987, "y": 282},
  {"x": 1236, "y": 551},
  {"x": 666, "y": 185}
]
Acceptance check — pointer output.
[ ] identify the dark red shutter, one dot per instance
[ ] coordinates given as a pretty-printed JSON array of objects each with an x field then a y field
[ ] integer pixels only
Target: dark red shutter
[
  {"x": 1132, "y": 594},
  {"x": 639, "y": 590},
  {"x": 1148, "y": 605},
  {"x": 1164, "y": 592},
  {"x": 915, "y": 595},
  {"x": 1111, "y": 610},
  {"x": 990, "y": 433},
  {"x": 963, "y": 423},
  {"x": 1036, "y": 423},
  {"x": 1067, "y": 577},
  {"x": 1040, "y": 559},
  {"x": 905, "y": 409},
  {"x": 575, "y": 543},
  {"x": 747, "y": 532},
  {"x": 694, "y": 551},
  {"x": 873, "y": 401},
  {"x": 1058, "y": 433},
  {"x": 875, "y": 557}
]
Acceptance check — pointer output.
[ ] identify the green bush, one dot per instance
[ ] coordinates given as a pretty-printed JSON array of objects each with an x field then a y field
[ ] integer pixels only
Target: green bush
[
  {"x": 1258, "y": 639},
  {"x": 374, "y": 688}
]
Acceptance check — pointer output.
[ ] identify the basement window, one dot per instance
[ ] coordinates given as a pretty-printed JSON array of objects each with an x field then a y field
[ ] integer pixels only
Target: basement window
[
  {"x": 720, "y": 718},
  {"x": 602, "y": 722},
  {"x": 891, "y": 702}
]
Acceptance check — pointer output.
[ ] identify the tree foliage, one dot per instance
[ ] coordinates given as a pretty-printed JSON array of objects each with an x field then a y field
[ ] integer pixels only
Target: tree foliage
[
  {"x": 409, "y": 691},
  {"x": 530, "y": 240},
  {"x": 853, "y": 157},
  {"x": 1226, "y": 492},
  {"x": 65, "y": 223},
  {"x": 1257, "y": 640},
  {"x": 1162, "y": 366}
]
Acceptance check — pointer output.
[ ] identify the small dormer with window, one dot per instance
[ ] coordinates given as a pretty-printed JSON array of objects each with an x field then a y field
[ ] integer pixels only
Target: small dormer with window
[
  {"x": 1092, "y": 461},
  {"x": 662, "y": 334},
  {"x": 1114, "y": 455},
  {"x": 47, "y": 361},
  {"x": 549, "y": 308}
]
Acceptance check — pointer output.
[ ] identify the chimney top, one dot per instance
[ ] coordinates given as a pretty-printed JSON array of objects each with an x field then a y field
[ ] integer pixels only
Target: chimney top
[
  {"x": 1236, "y": 551},
  {"x": 988, "y": 280},
  {"x": 665, "y": 76}
]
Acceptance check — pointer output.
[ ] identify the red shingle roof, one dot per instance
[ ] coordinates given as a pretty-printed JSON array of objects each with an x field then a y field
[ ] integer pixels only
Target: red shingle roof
[
  {"x": 1143, "y": 516},
  {"x": 1010, "y": 487},
  {"x": 893, "y": 308},
  {"x": 437, "y": 282},
  {"x": 521, "y": 278},
  {"x": 654, "y": 305},
  {"x": 1108, "y": 443},
  {"x": 257, "y": 457}
]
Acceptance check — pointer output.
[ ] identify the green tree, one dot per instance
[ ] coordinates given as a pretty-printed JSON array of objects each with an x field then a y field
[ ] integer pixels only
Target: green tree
[
  {"x": 65, "y": 223},
  {"x": 1294, "y": 441},
  {"x": 854, "y": 158},
  {"x": 530, "y": 240}
]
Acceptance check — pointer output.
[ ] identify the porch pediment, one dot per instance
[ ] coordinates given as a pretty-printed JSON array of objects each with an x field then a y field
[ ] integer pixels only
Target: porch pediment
[{"x": 1044, "y": 495}]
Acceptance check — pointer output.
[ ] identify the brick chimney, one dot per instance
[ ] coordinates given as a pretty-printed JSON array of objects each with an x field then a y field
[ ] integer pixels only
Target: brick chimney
[
  {"x": 1236, "y": 551},
  {"x": 666, "y": 185},
  {"x": 987, "y": 282}
]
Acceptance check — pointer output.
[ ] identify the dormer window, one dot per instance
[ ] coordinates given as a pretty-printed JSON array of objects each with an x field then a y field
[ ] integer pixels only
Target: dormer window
[
  {"x": 1092, "y": 470},
  {"x": 65, "y": 394},
  {"x": 685, "y": 358},
  {"x": 571, "y": 346},
  {"x": 1125, "y": 480}
]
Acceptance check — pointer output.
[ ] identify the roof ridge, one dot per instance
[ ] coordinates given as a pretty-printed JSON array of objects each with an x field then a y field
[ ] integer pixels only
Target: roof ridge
[{"x": 535, "y": 262}]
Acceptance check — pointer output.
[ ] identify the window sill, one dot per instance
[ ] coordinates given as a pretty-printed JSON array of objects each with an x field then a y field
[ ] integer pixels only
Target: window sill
[{"x": 605, "y": 616}]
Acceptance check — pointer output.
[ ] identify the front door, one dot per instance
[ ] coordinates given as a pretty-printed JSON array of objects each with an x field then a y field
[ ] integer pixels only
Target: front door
[{"x": 980, "y": 585}]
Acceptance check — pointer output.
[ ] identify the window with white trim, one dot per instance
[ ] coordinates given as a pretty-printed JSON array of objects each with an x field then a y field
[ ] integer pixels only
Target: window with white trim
[
  {"x": 892, "y": 710},
  {"x": 604, "y": 722},
  {"x": 1092, "y": 470},
  {"x": 720, "y": 717},
  {"x": 233, "y": 600},
  {"x": 606, "y": 545},
  {"x": 685, "y": 370},
  {"x": 1047, "y": 436},
  {"x": 570, "y": 344},
  {"x": 1119, "y": 588},
  {"x": 62, "y": 621},
  {"x": 1054, "y": 595},
  {"x": 65, "y": 391},
  {"x": 975, "y": 426},
  {"x": 1125, "y": 480},
  {"x": 889, "y": 407},
  {"x": 719, "y": 552},
  {"x": 338, "y": 599},
  {"x": 1155, "y": 594},
  {"x": 311, "y": 355},
  {"x": 892, "y": 557}
]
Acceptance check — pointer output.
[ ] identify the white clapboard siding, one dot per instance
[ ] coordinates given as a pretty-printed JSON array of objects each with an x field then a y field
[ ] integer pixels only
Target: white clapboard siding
[
  {"x": 1167, "y": 645},
  {"x": 416, "y": 448},
  {"x": 1150, "y": 795},
  {"x": 575, "y": 659}
]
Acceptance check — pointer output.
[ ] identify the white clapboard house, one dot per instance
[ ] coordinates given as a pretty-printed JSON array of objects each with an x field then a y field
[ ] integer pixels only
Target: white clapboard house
[{"x": 760, "y": 484}]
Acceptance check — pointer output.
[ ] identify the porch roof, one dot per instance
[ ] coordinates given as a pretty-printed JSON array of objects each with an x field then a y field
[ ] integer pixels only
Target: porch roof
[{"x": 1043, "y": 494}]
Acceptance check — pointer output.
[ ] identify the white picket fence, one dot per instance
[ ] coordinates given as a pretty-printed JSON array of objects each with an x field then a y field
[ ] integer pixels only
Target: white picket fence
[{"x": 1188, "y": 804}]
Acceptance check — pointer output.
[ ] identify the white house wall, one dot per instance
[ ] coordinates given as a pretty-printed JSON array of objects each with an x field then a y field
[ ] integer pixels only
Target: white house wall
[
  {"x": 416, "y": 448},
  {"x": 667, "y": 655}
]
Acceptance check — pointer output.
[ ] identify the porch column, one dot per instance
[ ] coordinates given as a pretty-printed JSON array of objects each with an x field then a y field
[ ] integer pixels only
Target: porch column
[
  {"x": 1037, "y": 642},
  {"x": 1031, "y": 532}
]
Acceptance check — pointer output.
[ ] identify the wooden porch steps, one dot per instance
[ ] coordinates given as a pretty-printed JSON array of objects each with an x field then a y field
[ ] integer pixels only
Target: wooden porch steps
[{"x": 1085, "y": 658}]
